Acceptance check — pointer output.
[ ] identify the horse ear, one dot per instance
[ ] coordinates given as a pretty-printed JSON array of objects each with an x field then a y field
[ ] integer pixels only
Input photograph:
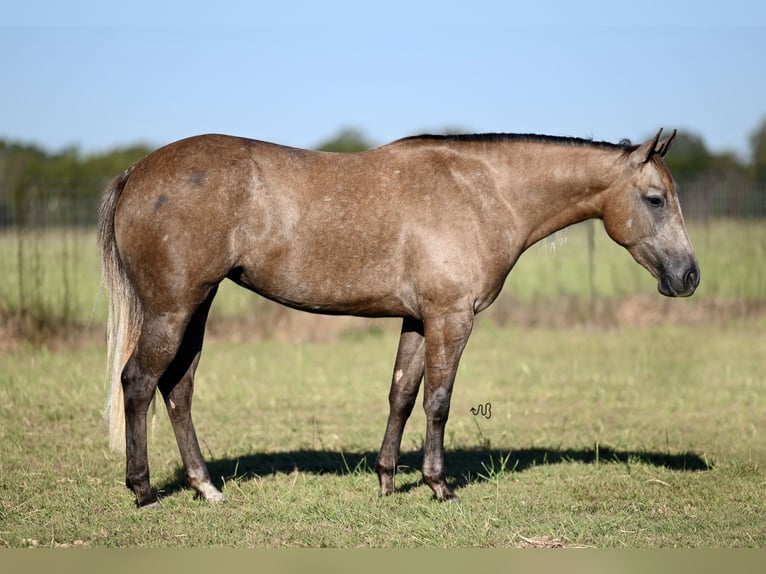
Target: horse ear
[
  {"x": 662, "y": 149},
  {"x": 644, "y": 152}
]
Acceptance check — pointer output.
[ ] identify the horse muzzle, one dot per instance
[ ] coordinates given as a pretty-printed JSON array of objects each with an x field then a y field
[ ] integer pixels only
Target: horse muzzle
[{"x": 681, "y": 284}]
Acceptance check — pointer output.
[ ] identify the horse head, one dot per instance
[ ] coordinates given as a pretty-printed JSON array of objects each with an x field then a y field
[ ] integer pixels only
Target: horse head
[{"x": 642, "y": 213}]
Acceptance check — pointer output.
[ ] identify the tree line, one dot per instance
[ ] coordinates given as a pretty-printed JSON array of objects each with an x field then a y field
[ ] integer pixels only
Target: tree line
[{"x": 38, "y": 188}]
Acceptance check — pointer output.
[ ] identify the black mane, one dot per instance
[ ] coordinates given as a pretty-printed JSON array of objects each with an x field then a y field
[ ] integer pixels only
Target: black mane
[{"x": 623, "y": 145}]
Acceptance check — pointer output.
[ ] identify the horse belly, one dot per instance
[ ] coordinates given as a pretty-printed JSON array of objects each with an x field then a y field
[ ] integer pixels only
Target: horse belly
[{"x": 321, "y": 278}]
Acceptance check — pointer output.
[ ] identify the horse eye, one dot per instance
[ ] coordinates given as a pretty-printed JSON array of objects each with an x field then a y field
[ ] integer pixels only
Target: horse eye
[{"x": 655, "y": 200}]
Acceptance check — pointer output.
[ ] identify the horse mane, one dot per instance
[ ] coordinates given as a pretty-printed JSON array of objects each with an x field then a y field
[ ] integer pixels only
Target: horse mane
[{"x": 624, "y": 145}]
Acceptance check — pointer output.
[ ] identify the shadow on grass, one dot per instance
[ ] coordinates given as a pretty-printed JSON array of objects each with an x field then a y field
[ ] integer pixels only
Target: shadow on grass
[{"x": 464, "y": 466}]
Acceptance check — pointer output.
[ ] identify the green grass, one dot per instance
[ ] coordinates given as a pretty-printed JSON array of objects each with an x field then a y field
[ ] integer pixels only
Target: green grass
[{"x": 637, "y": 437}]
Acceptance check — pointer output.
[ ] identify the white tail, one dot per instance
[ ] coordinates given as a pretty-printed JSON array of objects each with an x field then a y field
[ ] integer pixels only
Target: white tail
[{"x": 125, "y": 316}]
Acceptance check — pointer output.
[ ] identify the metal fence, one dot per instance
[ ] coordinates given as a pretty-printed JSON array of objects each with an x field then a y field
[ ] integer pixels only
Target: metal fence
[
  {"x": 50, "y": 269},
  {"x": 731, "y": 199},
  {"x": 57, "y": 204},
  {"x": 48, "y": 205}
]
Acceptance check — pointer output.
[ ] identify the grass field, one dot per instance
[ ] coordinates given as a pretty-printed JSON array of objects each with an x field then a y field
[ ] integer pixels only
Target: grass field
[{"x": 599, "y": 437}]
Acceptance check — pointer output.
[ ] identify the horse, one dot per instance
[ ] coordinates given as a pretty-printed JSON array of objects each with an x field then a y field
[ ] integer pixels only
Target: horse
[{"x": 425, "y": 229}]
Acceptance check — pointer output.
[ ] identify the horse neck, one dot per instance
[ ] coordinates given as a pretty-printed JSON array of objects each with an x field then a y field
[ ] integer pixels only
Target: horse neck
[{"x": 559, "y": 185}]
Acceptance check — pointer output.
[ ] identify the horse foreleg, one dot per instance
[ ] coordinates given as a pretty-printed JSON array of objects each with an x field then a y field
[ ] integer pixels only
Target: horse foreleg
[
  {"x": 446, "y": 337},
  {"x": 408, "y": 372}
]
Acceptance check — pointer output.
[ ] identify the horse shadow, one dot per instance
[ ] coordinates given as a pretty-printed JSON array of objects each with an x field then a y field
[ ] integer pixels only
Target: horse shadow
[{"x": 464, "y": 466}]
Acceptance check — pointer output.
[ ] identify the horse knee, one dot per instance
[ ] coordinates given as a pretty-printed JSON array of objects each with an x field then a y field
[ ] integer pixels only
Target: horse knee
[{"x": 437, "y": 405}]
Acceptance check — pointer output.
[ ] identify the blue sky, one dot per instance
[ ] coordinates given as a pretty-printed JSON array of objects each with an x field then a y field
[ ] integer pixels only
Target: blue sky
[{"x": 96, "y": 76}]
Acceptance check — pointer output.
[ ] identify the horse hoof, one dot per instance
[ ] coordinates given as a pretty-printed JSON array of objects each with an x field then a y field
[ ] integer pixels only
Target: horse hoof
[
  {"x": 152, "y": 505},
  {"x": 450, "y": 498},
  {"x": 210, "y": 493},
  {"x": 386, "y": 491},
  {"x": 217, "y": 498}
]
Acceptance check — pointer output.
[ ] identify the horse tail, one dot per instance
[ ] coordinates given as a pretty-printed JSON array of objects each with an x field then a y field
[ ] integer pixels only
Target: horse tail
[{"x": 125, "y": 313}]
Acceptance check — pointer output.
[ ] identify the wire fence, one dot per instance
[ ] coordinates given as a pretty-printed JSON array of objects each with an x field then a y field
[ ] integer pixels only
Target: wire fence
[
  {"x": 50, "y": 267},
  {"x": 731, "y": 199},
  {"x": 58, "y": 205}
]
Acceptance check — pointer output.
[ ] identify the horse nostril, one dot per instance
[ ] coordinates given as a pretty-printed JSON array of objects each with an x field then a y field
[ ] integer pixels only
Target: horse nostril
[{"x": 692, "y": 278}]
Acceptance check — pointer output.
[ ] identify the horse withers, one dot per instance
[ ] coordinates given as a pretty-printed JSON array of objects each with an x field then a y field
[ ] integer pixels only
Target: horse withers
[{"x": 426, "y": 228}]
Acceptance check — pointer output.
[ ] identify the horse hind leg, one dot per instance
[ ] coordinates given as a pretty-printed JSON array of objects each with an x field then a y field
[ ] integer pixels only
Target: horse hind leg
[
  {"x": 161, "y": 356},
  {"x": 408, "y": 373},
  {"x": 177, "y": 388},
  {"x": 156, "y": 347}
]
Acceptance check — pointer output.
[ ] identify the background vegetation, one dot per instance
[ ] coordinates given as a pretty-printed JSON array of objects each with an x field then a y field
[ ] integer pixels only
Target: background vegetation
[
  {"x": 48, "y": 205},
  {"x": 40, "y": 188}
]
